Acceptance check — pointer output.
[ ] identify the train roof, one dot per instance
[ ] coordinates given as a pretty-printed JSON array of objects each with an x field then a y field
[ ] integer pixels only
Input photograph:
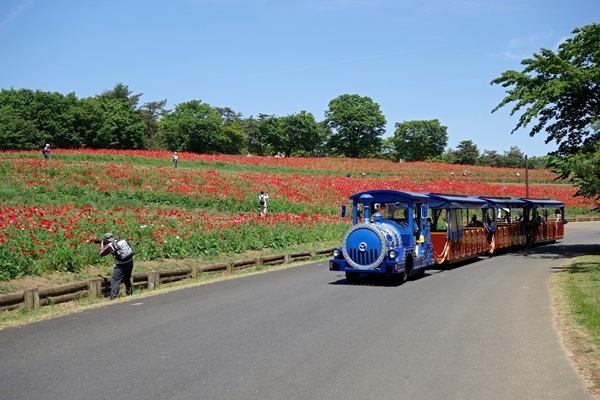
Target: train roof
[
  {"x": 503, "y": 202},
  {"x": 445, "y": 201},
  {"x": 386, "y": 195},
  {"x": 542, "y": 202}
]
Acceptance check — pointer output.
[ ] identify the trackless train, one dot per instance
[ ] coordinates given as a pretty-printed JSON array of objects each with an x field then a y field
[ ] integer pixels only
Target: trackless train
[{"x": 399, "y": 233}]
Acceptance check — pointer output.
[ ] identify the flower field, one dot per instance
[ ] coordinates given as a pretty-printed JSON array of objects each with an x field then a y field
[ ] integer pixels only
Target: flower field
[{"x": 51, "y": 210}]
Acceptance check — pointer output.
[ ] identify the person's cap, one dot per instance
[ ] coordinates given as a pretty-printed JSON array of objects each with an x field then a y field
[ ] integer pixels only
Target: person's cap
[
  {"x": 474, "y": 217},
  {"x": 109, "y": 237}
]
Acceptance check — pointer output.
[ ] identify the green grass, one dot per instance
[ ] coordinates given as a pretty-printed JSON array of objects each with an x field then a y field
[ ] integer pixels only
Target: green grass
[{"x": 580, "y": 282}]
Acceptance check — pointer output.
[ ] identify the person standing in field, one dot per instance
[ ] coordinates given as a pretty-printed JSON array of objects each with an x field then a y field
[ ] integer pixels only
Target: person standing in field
[
  {"x": 46, "y": 152},
  {"x": 262, "y": 203},
  {"x": 175, "y": 158}
]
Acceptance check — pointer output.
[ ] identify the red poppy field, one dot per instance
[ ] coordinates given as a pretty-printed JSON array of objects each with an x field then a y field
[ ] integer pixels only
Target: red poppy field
[{"x": 208, "y": 205}]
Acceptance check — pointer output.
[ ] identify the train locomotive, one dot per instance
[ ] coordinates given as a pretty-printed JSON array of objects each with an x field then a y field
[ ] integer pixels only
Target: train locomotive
[{"x": 399, "y": 234}]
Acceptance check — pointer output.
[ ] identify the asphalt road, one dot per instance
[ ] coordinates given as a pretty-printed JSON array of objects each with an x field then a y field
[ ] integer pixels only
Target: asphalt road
[{"x": 483, "y": 330}]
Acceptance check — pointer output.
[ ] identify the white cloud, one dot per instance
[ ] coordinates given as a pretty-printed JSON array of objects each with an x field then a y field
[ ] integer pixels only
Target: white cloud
[{"x": 15, "y": 12}]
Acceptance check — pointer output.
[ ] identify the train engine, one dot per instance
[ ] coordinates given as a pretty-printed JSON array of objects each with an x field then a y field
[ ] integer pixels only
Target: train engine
[{"x": 390, "y": 236}]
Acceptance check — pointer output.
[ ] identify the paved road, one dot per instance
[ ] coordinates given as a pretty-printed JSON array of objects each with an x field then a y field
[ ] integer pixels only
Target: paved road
[{"x": 480, "y": 331}]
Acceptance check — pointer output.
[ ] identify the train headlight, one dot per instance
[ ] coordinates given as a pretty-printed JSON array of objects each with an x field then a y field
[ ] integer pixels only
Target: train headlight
[
  {"x": 392, "y": 254},
  {"x": 335, "y": 253}
]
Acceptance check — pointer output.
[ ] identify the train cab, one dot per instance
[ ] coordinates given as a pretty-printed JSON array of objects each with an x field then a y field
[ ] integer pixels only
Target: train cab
[{"x": 390, "y": 235}]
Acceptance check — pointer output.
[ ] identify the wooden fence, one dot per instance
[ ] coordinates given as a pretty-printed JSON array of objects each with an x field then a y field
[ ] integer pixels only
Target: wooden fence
[
  {"x": 100, "y": 287},
  {"x": 582, "y": 219}
]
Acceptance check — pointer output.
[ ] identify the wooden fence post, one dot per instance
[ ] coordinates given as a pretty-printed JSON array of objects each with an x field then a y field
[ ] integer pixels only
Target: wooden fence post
[
  {"x": 32, "y": 299},
  {"x": 153, "y": 280},
  {"x": 95, "y": 287}
]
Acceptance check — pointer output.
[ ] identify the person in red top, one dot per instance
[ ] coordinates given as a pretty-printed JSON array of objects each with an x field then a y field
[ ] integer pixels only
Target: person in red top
[{"x": 122, "y": 269}]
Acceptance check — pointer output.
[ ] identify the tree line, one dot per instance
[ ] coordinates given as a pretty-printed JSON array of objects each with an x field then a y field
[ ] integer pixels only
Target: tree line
[
  {"x": 558, "y": 92},
  {"x": 353, "y": 127}
]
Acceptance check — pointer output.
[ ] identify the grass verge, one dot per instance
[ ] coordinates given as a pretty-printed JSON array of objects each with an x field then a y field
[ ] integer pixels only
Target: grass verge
[{"x": 576, "y": 289}]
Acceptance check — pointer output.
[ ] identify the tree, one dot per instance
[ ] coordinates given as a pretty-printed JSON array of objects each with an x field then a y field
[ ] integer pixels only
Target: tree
[
  {"x": 192, "y": 126},
  {"x": 584, "y": 169},
  {"x": 514, "y": 158},
  {"x": 251, "y": 129},
  {"x": 388, "y": 149},
  {"x": 560, "y": 90},
  {"x": 122, "y": 92},
  {"x": 233, "y": 141},
  {"x": 466, "y": 153},
  {"x": 31, "y": 118},
  {"x": 419, "y": 140},
  {"x": 491, "y": 158},
  {"x": 105, "y": 123},
  {"x": 357, "y": 125},
  {"x": 151, "y": 113},
  {"x": 198, "y": 127},
  {"x": 296, "y": 133}
]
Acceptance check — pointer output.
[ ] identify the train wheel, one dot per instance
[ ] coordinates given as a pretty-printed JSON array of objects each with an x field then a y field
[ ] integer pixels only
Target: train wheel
[
  {"x": 407, "y": 268},
  {"x": 352, "y": 277}
]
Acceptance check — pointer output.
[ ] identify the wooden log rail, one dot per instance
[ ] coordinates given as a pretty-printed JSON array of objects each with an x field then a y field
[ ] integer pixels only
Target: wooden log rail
[{"x": 100, "y": 287}]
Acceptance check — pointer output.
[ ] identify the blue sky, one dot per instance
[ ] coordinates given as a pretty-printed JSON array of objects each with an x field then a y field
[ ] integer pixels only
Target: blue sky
[{"x": 417, "y": 59}]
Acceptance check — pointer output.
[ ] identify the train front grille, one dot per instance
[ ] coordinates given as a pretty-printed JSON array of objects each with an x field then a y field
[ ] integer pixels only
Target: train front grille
[{"x": 366, "y": 257}]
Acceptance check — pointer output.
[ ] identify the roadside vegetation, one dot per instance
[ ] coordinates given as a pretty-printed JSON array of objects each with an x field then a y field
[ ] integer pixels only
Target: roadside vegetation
[{"x": 578, "y": 285}]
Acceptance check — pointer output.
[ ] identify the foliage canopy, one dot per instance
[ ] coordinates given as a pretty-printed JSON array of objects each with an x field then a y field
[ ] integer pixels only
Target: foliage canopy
[{"x": 561, "y": 91}]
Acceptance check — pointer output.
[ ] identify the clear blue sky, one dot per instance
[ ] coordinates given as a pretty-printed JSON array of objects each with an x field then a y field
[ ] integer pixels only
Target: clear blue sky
[{"x": 417, "y": 59}]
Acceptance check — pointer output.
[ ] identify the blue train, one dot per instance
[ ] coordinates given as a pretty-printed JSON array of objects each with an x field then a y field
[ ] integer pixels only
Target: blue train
[{"x": 399, "y": 234}]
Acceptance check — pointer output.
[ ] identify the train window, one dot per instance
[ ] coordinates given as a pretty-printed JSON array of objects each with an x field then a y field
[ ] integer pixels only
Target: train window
[
  {"x": 397, "y": 211},
  {"x": 438, "y": 220},
  {"x": 453, "y": 221}
]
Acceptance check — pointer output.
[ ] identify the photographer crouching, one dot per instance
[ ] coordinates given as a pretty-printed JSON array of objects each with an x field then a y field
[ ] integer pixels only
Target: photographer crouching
[{"x": 123, "y": 254}]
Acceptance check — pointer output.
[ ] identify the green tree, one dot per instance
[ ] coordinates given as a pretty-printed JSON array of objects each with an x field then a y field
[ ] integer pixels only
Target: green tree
[
  {"x": 449, "y": 157},
  {"x": 122, "y": 92},
  {"x": 234, "y": 141},
  {"x": 251, "y": 128},
  {"x": 357, "y": 125},
  {"x": 193, "y": 126},
  {"x": 388, "y": 149},
  {"x": 419, "y": 140},
  {"x": 292, "y": 134},
  {"x": 490, "y": 158},
  {"x": 584, "y": 171},
  {"x": 32, "y": 118},
  {"x": 542, "y": 162},
  {"x": 514, "y": 158},
  {"x": 560, "y": 91},
  {"x": 466, "y": 153},
  {"x": 151, "y": 114},
  {"x": 105, "y": 123},
  {"x": 17, "y": 132}
]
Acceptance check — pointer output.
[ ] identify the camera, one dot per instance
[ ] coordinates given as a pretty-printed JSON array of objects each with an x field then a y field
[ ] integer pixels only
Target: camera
[{"x": 97, "y": 241}]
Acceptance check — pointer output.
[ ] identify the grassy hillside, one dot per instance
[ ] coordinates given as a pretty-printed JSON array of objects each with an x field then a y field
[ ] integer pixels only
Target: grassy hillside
[{"x": 208, "y": 205}]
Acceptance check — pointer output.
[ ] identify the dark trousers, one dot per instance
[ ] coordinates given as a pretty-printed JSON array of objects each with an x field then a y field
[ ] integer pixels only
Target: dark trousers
[{"x": 121, "y": 273}]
